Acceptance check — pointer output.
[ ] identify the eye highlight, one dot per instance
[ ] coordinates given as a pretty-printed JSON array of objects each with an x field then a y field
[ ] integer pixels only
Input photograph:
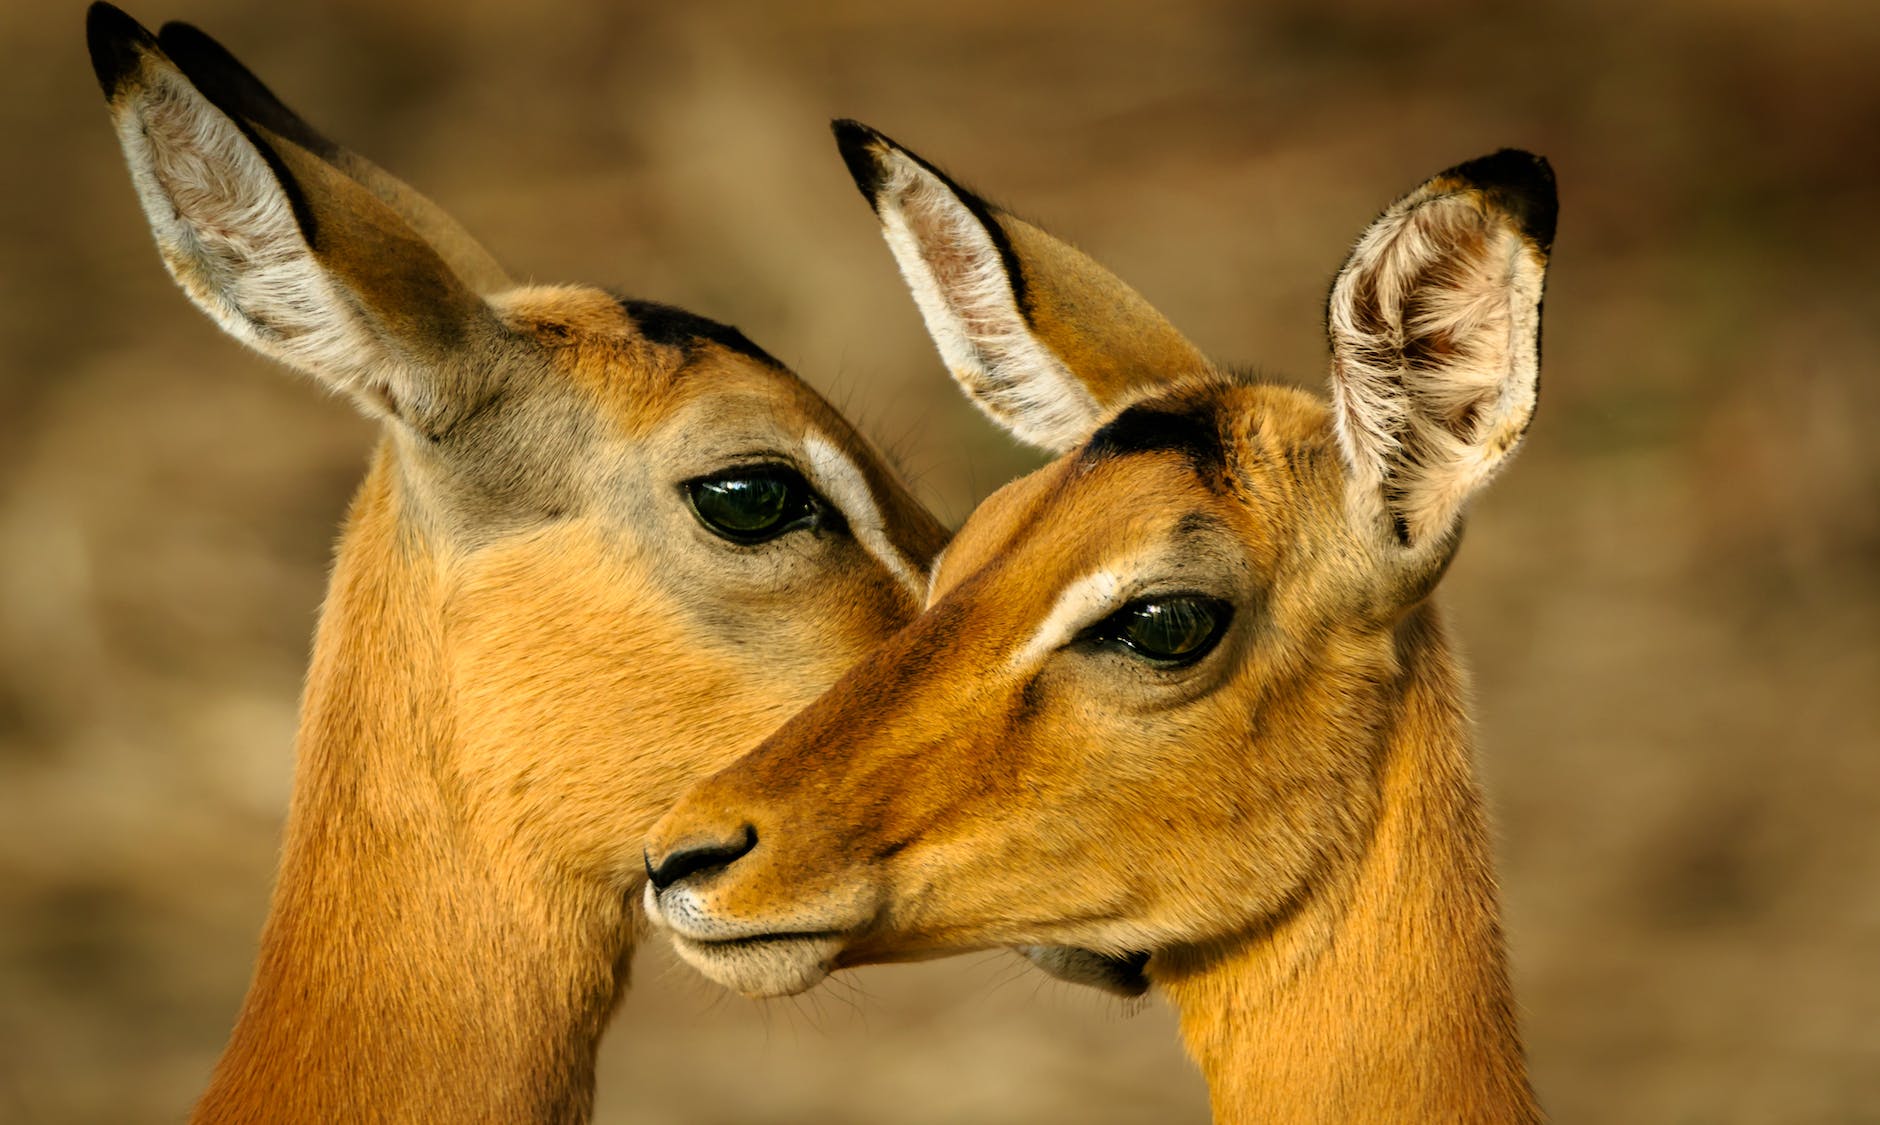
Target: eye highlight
[
  {"x": 753, "y": 504},
  {"x": 1173, "y": 630}
]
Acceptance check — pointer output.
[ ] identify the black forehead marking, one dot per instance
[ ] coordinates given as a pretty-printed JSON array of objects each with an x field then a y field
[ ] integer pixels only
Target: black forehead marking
[
  {"x": 1191, "y": 429},
  {"x": 674, "y": 327}
]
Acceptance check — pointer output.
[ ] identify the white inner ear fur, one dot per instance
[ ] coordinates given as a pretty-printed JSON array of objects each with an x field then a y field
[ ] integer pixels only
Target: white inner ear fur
[
  {"x": 959, "y": 281},
  {"x": 1435, "y": 325},
  {"x": 227, "y": 234},
  {"x": 843, "y": 483}
]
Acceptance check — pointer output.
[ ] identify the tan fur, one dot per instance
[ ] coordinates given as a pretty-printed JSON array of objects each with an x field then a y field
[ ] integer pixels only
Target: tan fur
[
  {"x": 1117, "y": 343},
  {"x": 1044, "y": 351},
  {"x": 529, "y": 644},
  {"x": 1290, "y": 826}
]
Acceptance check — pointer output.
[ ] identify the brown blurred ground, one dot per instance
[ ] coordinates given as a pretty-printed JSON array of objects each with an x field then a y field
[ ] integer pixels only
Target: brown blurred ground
[{"x": 1672, "y": 602}]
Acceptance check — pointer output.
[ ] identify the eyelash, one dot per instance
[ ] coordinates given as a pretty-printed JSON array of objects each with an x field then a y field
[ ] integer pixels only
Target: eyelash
[{"x": 1123, "y": 628}]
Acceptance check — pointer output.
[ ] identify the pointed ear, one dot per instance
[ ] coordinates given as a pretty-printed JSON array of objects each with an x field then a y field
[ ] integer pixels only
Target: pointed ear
[
  {"x": 1043, "y": 339},
  {"x": 1435, "y": 327},
  {"x": 235, "y": 90},
  {"x": 289, "y": 254}
]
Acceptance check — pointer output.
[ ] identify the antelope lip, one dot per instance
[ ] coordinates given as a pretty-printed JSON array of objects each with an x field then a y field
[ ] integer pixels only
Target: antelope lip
[
  {"x": 763, "y": 965},
  {"x": 755, "y": 940}
]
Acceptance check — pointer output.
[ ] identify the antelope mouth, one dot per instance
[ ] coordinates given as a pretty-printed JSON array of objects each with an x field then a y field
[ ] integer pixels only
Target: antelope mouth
[
  {"x": 764, "y": 965},
  {"x": 757, "y": 962}
]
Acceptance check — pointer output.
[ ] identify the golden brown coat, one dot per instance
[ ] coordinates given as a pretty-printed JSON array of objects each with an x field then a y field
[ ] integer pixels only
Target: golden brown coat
[
  {"x": 530, "y": 642},
  {"x": 1270, "y": 808}
]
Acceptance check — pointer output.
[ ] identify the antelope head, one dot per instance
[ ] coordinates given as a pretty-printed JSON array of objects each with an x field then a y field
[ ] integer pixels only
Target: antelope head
[
  {"x": 607, "y": 543},
  {"x": 1141, "y": 708}
]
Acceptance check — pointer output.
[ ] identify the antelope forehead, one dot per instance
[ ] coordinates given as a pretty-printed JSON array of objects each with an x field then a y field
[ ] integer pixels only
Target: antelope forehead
[
  {"x": 1191, "y": 428},
  {"x": 688, "y": 331}
]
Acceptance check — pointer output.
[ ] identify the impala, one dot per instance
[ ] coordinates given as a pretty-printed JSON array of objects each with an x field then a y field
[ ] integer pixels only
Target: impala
[
  {"x": 1182, "y": 696},
  {"x": 602, "y": 546}
]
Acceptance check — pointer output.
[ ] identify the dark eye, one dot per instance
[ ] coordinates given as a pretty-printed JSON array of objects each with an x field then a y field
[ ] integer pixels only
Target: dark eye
[
  {"x": 753, "y": 505},
  {"x": 1176, "y": 629}
]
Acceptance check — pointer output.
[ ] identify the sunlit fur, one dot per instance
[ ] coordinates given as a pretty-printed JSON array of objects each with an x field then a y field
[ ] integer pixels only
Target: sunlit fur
[
  {"x": 1044, "y": 353},
  {"x": 958, "y": 280},
  {"x": 1290, "y": 827},
  {"x": 1439, "y": 283},
  {"x": 529, "y": 644}
]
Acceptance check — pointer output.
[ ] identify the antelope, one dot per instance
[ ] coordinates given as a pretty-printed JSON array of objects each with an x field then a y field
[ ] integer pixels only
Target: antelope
[
  {"x": 603, "y": 546},
  {"x": 1181, "y": 697}
]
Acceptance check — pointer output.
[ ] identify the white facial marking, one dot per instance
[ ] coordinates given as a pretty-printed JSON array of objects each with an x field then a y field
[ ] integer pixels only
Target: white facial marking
[
  {"x": 933, "y": 573},
  {"x": 1083, "y": 603},
  {"x": 840, "y": 480}
]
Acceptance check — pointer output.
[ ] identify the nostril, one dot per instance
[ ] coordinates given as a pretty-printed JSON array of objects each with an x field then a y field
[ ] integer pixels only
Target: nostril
[{"x": 693, "y": 860}]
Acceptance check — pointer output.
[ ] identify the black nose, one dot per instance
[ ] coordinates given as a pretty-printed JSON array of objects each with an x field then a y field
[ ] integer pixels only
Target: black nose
[{"x": 698, "y": 858}]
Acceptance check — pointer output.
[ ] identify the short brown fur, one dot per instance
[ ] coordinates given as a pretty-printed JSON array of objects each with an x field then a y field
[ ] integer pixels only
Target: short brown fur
[
  {"x": 529, "y": 644},
  {"x": 1289, "y": 824},
  {"x": 1102, "y": 329}
]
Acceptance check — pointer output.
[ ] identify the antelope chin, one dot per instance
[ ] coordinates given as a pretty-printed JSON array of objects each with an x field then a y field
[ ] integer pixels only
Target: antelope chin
[
  {"x": 763, "y": 966},
  {"x": 743, "y": 956}
]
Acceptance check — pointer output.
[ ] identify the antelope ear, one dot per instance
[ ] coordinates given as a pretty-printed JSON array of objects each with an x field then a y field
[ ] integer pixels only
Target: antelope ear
[
  {"x": 235, "y": 90},
  {"x": 1435, "y": 337},
  {"x": 1044, "y": 340},
  {"x": 287, "y": 253}
]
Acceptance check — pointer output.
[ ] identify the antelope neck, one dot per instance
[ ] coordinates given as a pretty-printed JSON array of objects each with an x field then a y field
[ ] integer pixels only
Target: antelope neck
[
  {"x": 405, "y": 974},
  {"x": 1384, "y": 996}
]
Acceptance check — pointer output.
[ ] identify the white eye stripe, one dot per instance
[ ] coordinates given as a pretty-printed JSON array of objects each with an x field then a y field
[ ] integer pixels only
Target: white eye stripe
[
  {"x": 933, "y": 574},
  {"x": 843, "y": 483},
  {"x": 1082, "y": 603}
]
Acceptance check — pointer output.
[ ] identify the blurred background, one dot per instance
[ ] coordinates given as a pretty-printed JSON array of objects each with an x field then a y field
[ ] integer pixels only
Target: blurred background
[{"x": 1672, "y": 602}]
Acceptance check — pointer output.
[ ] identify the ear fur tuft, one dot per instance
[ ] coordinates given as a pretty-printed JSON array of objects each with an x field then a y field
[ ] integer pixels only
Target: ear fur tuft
[
  {"x": 234, "y": 89},
  {"x": 1435, "y": 333},
  {"x": 286, "y": 251}
]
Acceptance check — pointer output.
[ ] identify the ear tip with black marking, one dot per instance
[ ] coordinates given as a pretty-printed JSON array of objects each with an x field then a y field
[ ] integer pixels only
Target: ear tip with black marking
[
  {"x": 234, "y": 89},
  {"x": 116, "y": 42},
  {"x": 178, "y": 38},
  {"x": 849, "y": 131},
  {"x": 200, "y": 55},
  {"x": 861, "y": 149},
  {"x": 208, "y": 65},
  {"x": 1520, "y": 182}
]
